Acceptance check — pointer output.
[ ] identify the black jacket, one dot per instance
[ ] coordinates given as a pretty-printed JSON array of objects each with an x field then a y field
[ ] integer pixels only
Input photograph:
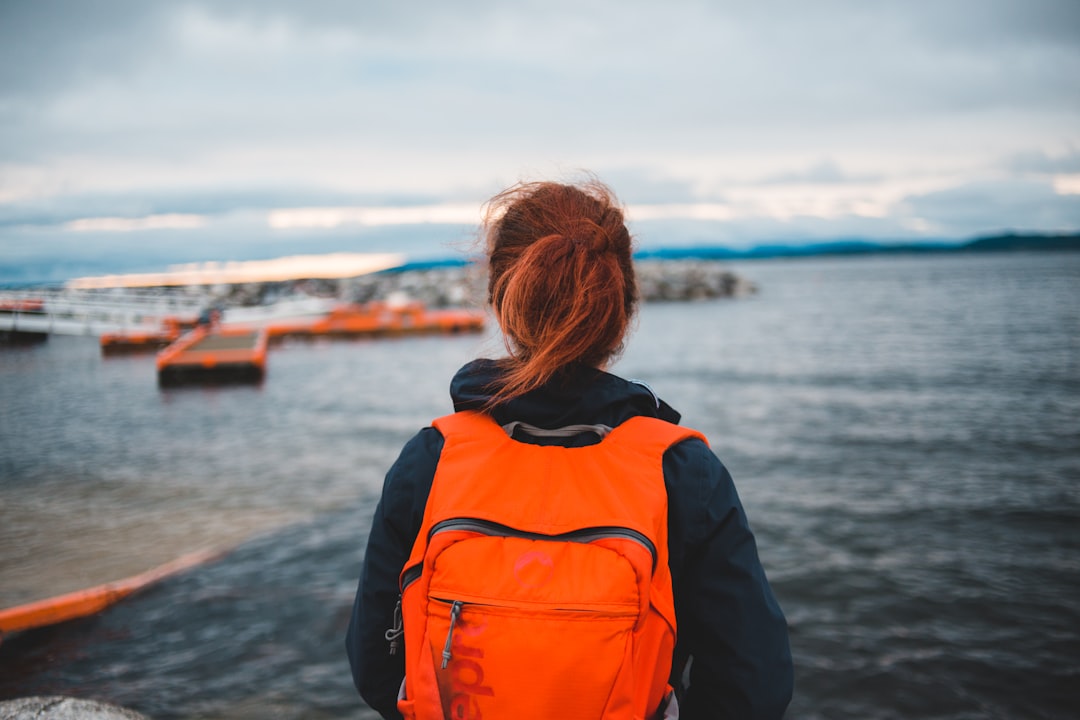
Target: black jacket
[{"x": 729, "y": 623}]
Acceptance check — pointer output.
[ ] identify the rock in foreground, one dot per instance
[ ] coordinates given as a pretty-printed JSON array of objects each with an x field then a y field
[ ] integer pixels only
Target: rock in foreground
[{"x": 62, "y": 708}]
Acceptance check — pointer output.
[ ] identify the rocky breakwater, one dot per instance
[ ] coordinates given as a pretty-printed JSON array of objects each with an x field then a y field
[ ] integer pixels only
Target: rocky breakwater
[
  {"x": 682, "y": 280},
  {"x": 466, "y": 285}
]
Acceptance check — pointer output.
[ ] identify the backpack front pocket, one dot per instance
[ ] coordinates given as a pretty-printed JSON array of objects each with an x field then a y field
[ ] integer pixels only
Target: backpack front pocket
[{"x": 527, "y": 628}]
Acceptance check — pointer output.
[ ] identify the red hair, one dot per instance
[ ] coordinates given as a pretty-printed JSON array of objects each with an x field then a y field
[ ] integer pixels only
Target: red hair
[{"x": 561, "y": 279}]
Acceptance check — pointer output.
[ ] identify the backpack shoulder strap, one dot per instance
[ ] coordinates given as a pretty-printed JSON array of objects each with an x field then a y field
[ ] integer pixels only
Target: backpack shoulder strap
[
  {"x": 648, "y": 433},
  {"x": 469, "y": 423}
]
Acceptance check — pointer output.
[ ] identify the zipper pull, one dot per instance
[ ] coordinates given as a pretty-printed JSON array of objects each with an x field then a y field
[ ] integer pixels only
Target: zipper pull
[
  {"x": 455, "y": 612},
  {"x": 395, "y": 632}
]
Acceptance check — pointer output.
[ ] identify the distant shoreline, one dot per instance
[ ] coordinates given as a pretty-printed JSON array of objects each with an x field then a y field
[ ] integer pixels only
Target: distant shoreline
[
  {"x": 1008, "y": 242},
  {"x": 1005, "y": 242}
]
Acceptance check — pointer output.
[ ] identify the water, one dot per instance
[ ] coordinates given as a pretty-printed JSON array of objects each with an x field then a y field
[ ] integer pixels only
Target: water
[{"x": 904, "y": 432}]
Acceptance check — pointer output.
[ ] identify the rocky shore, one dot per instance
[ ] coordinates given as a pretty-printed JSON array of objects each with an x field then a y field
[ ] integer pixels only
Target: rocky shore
[
  {"x": 682, "y": 280},
  {"x": 466, "y": 285},
  {"x": 449, "y": 285}
]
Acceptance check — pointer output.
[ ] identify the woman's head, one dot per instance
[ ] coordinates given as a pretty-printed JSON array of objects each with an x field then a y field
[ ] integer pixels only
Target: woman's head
[{"x": 561, "y": 278}]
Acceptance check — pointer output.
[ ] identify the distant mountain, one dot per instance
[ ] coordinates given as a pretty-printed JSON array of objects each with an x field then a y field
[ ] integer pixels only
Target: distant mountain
[
  {"x": 17, "y": 277},
  {"x": 996, "y": 243},
  {"x": 1011, "y": 241}
]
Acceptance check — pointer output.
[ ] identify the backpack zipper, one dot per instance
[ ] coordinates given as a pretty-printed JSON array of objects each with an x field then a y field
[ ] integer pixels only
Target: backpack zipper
[
  {"x": 489, "y": 527},
  {"x": 583, "y": 535},
  {"x": 455, "y": 613},
  {"x": 397, "y": 630},
  {"x": 410, "y": 575}
]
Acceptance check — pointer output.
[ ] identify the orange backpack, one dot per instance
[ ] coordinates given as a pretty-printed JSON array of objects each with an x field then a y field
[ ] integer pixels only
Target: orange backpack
[{"x": 539, "y": 586}]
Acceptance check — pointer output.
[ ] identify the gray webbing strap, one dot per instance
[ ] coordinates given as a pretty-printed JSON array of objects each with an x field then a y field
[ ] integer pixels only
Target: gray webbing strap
[{"x": 567, "y": 431}]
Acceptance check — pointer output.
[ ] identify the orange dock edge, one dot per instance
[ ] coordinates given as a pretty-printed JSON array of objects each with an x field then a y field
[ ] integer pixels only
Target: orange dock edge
[
  {"x": 381, "y": 319},
  {"x": 215, "y": 354},
  {"x": 82, "y": 603},
  {"x": 146, "y": 341},
  {"x": 33, "y": 305}
]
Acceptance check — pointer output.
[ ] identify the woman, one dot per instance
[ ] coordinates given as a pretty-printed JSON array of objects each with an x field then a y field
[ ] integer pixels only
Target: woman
[{"x": 563, "y": 290}]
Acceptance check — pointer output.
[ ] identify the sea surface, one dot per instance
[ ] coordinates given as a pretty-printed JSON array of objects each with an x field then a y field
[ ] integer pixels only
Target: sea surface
[{"x": 904, "y": 433}]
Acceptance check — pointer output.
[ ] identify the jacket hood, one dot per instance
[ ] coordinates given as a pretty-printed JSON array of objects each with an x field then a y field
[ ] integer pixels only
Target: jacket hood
[{"x": 577, "y": 394}]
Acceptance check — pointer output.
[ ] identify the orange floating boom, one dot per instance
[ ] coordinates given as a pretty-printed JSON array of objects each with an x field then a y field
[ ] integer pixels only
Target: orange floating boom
[{"x": 92, "y": 600}]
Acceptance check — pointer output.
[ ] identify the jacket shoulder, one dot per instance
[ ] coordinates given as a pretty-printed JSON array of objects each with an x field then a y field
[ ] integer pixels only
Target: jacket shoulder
[
  {"x": 701, "y": 491},
  {"x": 408, "y": 482}
]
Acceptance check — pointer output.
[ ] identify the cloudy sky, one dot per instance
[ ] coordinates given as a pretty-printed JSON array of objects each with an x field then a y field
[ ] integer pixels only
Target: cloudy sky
[{"x": 135, "y": 134}]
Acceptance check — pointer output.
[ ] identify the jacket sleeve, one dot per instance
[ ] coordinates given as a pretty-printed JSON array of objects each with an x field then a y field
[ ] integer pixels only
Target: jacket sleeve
[
  {"x": 729, "y": 623},
  {"x": 397, "y": 520}
]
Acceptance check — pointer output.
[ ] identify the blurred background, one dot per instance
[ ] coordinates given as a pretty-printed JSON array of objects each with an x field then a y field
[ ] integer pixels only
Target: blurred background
[
  {"x": 137, "y": 134},
  {"x": 899, "y": 409}
]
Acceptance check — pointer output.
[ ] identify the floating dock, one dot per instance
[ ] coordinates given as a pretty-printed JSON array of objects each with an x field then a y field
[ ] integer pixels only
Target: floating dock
[
  {"x": 378, "y": 319},
  {"x": 214, "y": 354},
  {"x": 120, "y": 343},
  {"x": 374, "y": 319},
  {"x": 217, "y": 352},
  {"x": 14, "y": 328}
]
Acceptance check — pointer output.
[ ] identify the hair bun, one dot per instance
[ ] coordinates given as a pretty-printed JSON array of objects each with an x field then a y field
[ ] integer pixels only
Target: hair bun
[
  {"x": 591, "y": 236},
  {"x": 601, "y": 241}
]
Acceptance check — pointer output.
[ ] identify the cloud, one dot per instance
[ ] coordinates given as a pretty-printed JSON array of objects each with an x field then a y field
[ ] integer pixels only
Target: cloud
[
  {"x": 35, "y": 254},
  {"x": 649, "y": 185},
  {"x": 603, "y": 80},
  {"x": 781, "y": 116},
  {"x": 995, "y": 205},
  {"x": 1067, "y": 184},
  {"x": 150, "y": 222},
  {"x": 685, "y": 211},
  {"x": 1045, "y": 163},
  {"x": 210, "y": 203},
  {"x": 334, "y": 217},
  {"x": 332, "y": 265},
  {"x": 48, "y": 46},
  {"x": 825, "y": 172}
]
